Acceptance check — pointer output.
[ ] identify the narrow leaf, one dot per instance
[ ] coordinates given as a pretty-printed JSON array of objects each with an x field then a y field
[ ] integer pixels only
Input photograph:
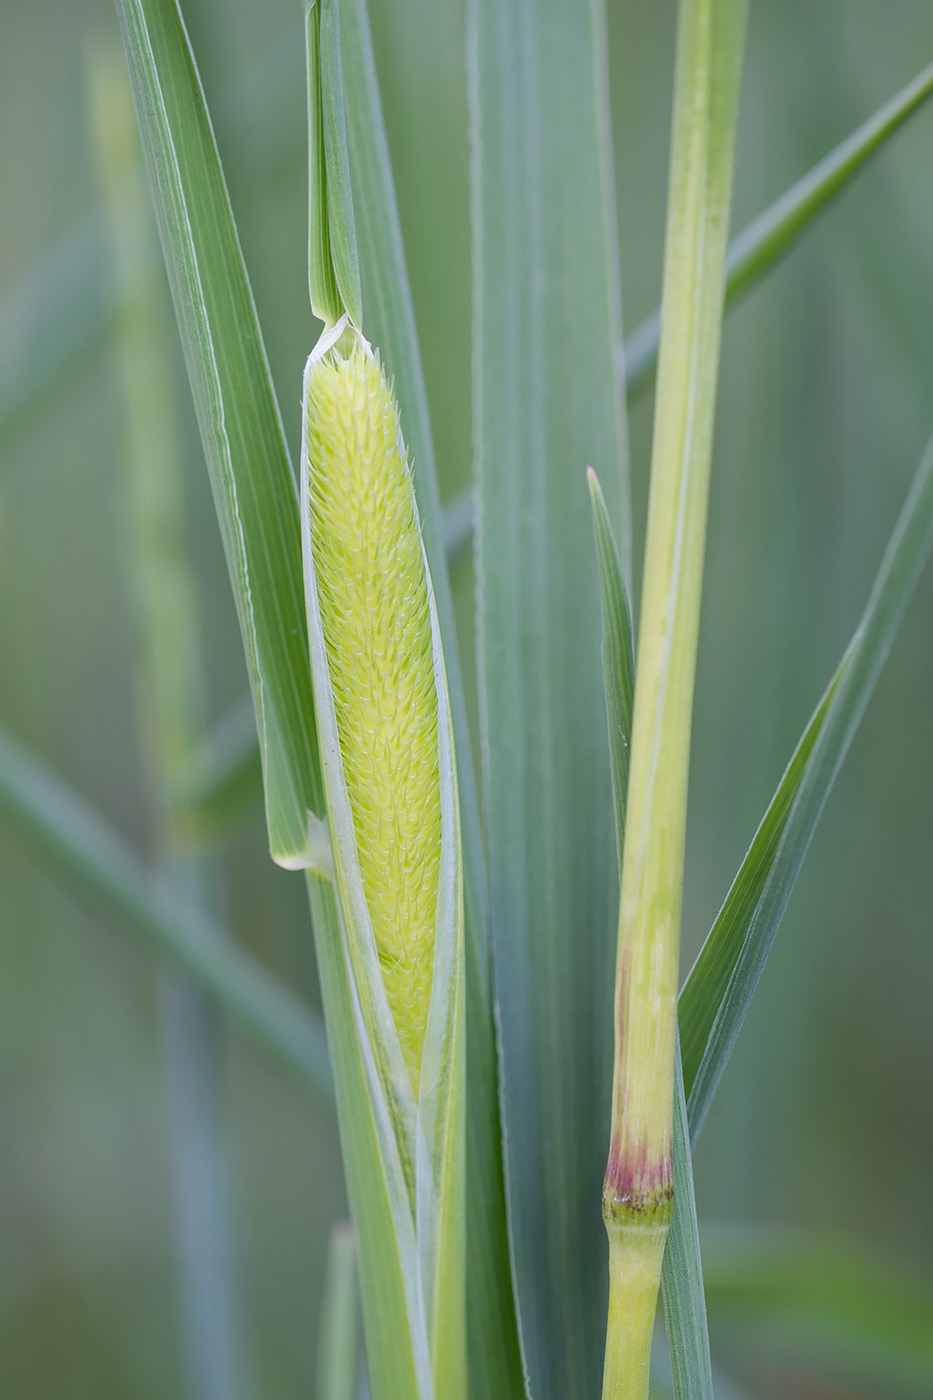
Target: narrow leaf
[
  {"x": 682, "y": 1274},
  {"x": 762, "y": 244},
  {"x": 80, "y": 845},
  {"x": 333, "y": 260},
  {"x": 254, "y": 489},
  {"x": 322, "y": 281},
  {"x": 547, "y": 337},
  {"x": 340, "y": 218},
  {"x": 717, "y": 993}
]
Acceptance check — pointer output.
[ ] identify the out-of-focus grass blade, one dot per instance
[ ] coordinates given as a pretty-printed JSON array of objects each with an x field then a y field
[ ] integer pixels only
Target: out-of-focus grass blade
[
  {"x": 63, "y": 307},
  {"x": 339, "y": 1333},
  {"x": 491, "y": 1338},
  {"x": 682, "y": 1273},
  {"x": 826, "y": 1297},
  {"x": 170, "y": 717},
  {"x": 224, "y": 779},
  {"x": 716, "y": 994},
  {"x": 766, "y": 240},
  {"x": 547, "y": 341},
  {"x": 254, "y": 489},
  {"x": 57, "y": 311},
  {"x": 684, "y": 1306},
  {"x": 76, "y": 841}
]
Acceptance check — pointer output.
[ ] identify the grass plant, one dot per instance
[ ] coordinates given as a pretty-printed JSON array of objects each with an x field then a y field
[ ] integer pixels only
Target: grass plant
[{"x": 497, "y": 933}]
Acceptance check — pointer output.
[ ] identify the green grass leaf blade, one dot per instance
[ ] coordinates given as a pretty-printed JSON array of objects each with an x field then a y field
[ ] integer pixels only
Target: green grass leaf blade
[
  {"x": 322, "y": 280},
  {"x": 82, "y": 847},
  {"x": 682, "y": 1272},
  {"x": 339, "y": 1342},
  {"x": 762, "y": 244},
  {"x": 546, "y": 343},
  {"x": 492, "y": 1338},
  {"x": 823, "y": 1298},
  {"x": 340, "y": 219},
  {"x": 241, "y": 430},
  {"x": 719, "y": 988},
  {"x": 333, "y": 260}
]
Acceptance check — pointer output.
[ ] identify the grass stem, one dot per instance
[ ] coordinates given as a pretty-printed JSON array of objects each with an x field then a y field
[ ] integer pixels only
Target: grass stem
[{"x": 638, "y": 1190}]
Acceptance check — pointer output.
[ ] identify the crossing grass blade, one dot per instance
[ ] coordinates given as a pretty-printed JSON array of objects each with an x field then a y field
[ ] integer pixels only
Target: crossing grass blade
[
  {"x": 80, "y": 845},
  {"x": 241, "y": 430},
  {"x": 716, "y": 995},
  {"x": 764, "y": 242}
]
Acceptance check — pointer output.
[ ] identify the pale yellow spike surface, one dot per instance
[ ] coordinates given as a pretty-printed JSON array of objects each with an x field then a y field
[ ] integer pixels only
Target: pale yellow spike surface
[{"x": 373, "y": 599}]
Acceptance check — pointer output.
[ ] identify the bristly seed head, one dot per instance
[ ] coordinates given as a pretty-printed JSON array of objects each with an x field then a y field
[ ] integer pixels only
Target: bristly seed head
[{"x": 373, "y": 600}]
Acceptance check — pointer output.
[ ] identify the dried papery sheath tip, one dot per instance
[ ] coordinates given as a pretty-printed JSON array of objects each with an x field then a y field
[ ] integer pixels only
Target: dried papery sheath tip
[{"x": 372, "y": 591}]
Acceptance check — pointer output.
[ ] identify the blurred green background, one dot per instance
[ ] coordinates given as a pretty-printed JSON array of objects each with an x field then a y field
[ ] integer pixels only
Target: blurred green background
[{"x": 822, "y": 1124}]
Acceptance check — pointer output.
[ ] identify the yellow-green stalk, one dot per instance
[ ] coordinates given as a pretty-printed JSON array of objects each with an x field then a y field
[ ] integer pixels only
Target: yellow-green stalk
[
  {"x": 638, "y": 1192},
  {"x": 372, "y": 591}
]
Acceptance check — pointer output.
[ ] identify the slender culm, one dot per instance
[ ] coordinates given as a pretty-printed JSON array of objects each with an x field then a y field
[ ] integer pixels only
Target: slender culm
[{"x": 373, "y": 599}]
